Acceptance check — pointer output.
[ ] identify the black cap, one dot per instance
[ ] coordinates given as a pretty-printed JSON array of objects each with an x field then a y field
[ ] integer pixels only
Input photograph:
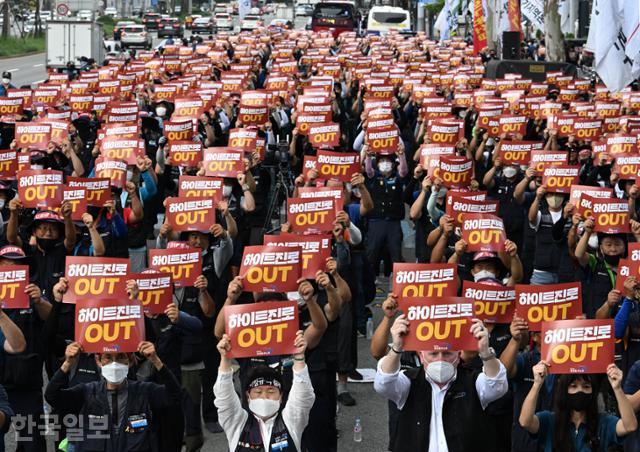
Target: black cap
[
  {"x": 263, "y": 376},
  {"x": 6, "y": 74}
]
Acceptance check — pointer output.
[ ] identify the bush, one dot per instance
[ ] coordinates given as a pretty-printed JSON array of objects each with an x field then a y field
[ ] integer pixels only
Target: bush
[{"x": 19, "y": 46}]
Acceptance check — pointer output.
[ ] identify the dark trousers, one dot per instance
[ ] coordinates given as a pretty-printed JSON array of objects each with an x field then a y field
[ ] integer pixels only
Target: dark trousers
[
  {"x": 209, "y": 376},
  {"x": 383, "y": 235},
  {"x": 28, "y": 420},
  {"x": 321, "y": 434},
  {"x": 346, "y": 340}
]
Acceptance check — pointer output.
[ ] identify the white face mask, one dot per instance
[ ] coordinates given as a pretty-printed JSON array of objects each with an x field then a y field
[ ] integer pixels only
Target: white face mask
[
  {"x": 6, "y": 81},
  {"x": 440, "y": 372},
  {"x": 129, "y": 175},
  {"x": 385, "y": 166},
  {"x": 347, "y": 186},
  {"x": 161, "y": 111},
  {"x": 226, "y": 191},
  {"x": 2, "y": 204},
  {"x": 483, "y": 274},
  {"x": 509, "y": 172},
  {"x": 593, "y": 241},
  {"x": 37, "y": 167},
  {"x": 115, "y": 373},
  {"x": 264, "y": 408}
]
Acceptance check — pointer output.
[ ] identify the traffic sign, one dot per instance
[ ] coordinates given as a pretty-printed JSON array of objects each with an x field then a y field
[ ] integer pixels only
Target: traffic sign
[{"x": 62, "y": 9}]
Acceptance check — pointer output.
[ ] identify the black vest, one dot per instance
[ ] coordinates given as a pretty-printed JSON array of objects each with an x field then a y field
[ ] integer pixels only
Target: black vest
[
  {"x": 463, "y": 419},
  {"x": 387, "y": 193},
  {"x": 599, "y": 283},
  {"x": 251, "y": 437},
  {"x": 550, "y": 255}
]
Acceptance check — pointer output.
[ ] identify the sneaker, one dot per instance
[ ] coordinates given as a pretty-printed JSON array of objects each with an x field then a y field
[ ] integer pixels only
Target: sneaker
[
  {"x": 355, "y": 375},
  {"x": 360, "y": 334},
  {"x": 213, "y": 427},
  {"x": 346, "y": 399}
]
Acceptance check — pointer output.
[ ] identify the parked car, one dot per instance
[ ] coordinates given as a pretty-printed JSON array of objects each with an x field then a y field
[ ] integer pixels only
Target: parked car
[
  {"x": 223, "y": 21},
  {"x": 250, "y": 22},
  {"x": 85, "y": 14},
  {"x": 45, "y": 16},
  {"x": 30, "y": 26},
  {"x": 170, "y": 26},
  {"x": 135, "y": 36},
  {"x": 202, "y": 25},
  {"x": 304, "y": 10},
  {"x": 117, "y": 30},
  {"x": 111, "y": 12},
  {"x": 151, "y": 21}
]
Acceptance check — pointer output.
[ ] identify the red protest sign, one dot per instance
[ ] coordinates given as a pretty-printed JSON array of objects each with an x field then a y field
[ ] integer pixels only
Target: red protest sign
[
  {"x": 155, "y": 291},
  {"x": 483, "y": 232},
  {"x": 324, "y": 135},
  {"x": 11, "y": 106},
  {"x": 516, "y": 152},
  {"x": 543, "y": 159},
  {"x": 577, "y": 191},
  {"x": 185, "y": 265},
  {"x": 122, "y": 149},
  {"x": 578, "y": 346},
  {"x": 262, "y": 329},
  {"x": 311, "y": 216},
  {"x": 14, "y": 280},
  {"x": 491, "y": 303},
  {"x": 8, "y": 164},
  {"x": 512, "y": 124},
  {"x": 560, "y": 178},
  {"x": 114, "y": 170},
  {"x": 455, "y": 172},
  {"x": 190, "y": 214},
  {"x": 109, "y": 325},
  {"x": 384, "y": 140},
  {"x": 77, "y": 199},
  {"x": 185, "y": 153},
  {"x": 223, "y": 162},
  {"x": 95, "y": 277},
  {"x": 98, "y": 189},
  {"x": 438, "y": 324},
  {"x": 188, "y": 107},
  {"x": 178, "y": 130},
  {"x": 244, "y": 139},
  {"x": 271, "y": 269},
  {"x": 536, "y": 304},
  {"x": 40, "y": 188},
  {"x": 424, "y": 280},
  {"x": 444, "y": 132},
  {"x": 627, "y": 166},
  {"x": 32, "y": 135},
  {"x": 252, "y": 116},
  {"x": 316, "y": 249},
  {"x": 200, "y": 187},
  {"x": 337, "y": 165},
  {"x": 611, "y": 216},
  {"x": 587, "y": 129},
  {"x": 461, "y": 205}
]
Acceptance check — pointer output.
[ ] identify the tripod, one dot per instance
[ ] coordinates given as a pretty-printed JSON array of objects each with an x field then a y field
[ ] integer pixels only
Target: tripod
[{"x": 281, "y": 189}]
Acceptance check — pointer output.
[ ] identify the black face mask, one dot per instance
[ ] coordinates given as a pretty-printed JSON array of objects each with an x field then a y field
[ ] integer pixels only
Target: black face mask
[
  {"x": 612, "y": 260},
  {"x": 46, "y": 244},
  {"x": 578, "y": 401}
]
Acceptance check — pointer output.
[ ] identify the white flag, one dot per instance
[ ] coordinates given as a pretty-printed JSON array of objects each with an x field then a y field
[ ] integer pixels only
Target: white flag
[
  {"x": 533, "y": 11},
  {"x": 442, "y": 22},
  {"x": 564, "y": 8}
]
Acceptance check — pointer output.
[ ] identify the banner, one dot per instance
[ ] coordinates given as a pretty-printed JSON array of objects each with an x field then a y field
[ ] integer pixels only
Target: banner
[
  {"x": 611, "y": 216},
  {"x": 311, "y": 216},
  {"x": 109, "y": 325},
  {"x": 155, "y": 291},
  {"x": 316, "y": 249},
  {"x": 98, "y": 189},
  {"x": 455, "y": 172},
  {"x": 185, "y": 265},
  {"x": 14, "y": 280},
  {"x": 262, "y": 329},
  {"x": 114, "y": 170},
  {"x": 324, "y": 135},
  {"x": 384, "y": 140},
  {"x": 40, "y": 189},
  {"x": 537, "y": 304},
  {"x": 460, "y": 206},
  {"x": 271, "y": 268},
  {"x": 439, "y": 324},
  {"x": 223, "y": 162},
  {"x": 424, "y": 280},
  {"x": 533, "y": 11},
  {"x": 200, "y": 187},
  {"x": 578, "y": 346},
  {"x": 185, "y": 153},
  {"x": 491, "y": 303},
  {"x": 560, "y": 178},
  {"x": 479, "y": 27},
  {"x": 483, "y": 232},
  {"x": 95, "y": 277},
  {"x": 190, "y": 214},
  {"x": 32, "y": 135},
  {"x": 337, "y": 165}
]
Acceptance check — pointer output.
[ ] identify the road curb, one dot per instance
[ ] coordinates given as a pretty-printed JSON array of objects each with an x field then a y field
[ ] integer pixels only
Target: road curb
[{"x": 8, "y": 57}]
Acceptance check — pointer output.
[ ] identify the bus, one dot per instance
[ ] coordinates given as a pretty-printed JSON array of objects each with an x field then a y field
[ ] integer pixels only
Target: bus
[
  {"x": 383, "y": 19},
  {"x": 335, "y": 16}
]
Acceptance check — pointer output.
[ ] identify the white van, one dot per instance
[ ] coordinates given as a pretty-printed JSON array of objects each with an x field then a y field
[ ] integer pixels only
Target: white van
[{"x": 383, "y": 19}]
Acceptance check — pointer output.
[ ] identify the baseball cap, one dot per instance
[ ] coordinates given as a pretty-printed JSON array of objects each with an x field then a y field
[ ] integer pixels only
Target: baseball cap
[
  {"x": 6, "y": 74},
  {"x": 12, "y": 252},
  {"x": 484, "y": 256}
]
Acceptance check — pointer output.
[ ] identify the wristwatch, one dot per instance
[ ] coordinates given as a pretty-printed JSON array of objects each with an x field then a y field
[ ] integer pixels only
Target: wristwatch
[{"x": 490, "y": 356}]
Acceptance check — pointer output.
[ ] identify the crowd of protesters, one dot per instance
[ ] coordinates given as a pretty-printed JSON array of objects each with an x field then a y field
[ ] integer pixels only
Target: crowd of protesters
[{"x": 501, "y": 396}]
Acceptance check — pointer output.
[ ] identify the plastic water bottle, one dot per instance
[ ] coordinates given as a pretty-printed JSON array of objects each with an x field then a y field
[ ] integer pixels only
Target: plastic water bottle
[
  {"x": 357, "y": 431},
  {"x": 47, "y": 413},
  {"x": 369, "y": 328}
]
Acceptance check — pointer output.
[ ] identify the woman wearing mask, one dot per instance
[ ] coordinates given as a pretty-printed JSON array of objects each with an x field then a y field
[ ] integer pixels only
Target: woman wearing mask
[{"x": 575, "y": 423}]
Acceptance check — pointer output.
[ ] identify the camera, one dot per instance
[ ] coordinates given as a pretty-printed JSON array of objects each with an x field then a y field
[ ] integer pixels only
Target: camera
[{"x": 277, "y": 154}]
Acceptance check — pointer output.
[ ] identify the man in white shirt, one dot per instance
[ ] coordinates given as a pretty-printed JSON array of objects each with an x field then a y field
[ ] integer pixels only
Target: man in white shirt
[
  {"x": 268, "y": 424},
  {"x": 443, "y": 394}
]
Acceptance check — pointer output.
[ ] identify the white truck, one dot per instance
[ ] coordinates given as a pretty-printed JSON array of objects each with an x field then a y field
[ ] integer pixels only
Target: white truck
[{"x": 68, "y": 40}]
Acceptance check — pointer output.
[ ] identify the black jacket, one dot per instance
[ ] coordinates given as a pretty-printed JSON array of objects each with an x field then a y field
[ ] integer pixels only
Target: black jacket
[{"x": 89, "y": 400}]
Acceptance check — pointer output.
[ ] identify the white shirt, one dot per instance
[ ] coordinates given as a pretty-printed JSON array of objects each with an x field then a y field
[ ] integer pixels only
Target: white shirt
[
  {"x": 555, "y": 216},
  {"x": 295, "y": 415},
  {"x": 396, "y": 386}
]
